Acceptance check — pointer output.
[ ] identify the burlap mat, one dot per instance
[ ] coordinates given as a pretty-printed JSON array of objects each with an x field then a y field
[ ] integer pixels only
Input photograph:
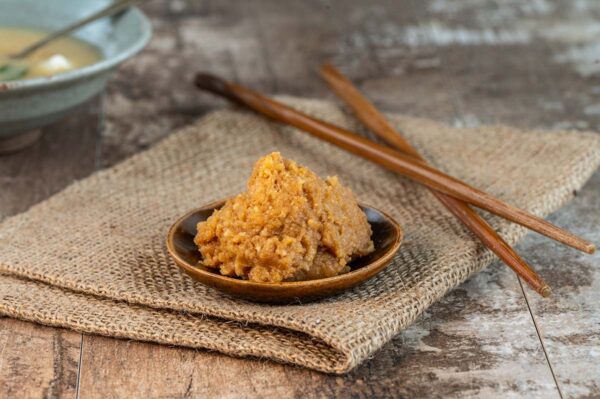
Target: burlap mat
[{"x": 93, "y": 258}]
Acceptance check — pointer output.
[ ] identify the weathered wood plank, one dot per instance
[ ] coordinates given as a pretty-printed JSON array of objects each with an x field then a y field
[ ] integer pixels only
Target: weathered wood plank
[
  {"x": 535, "y": 85},
  {"x": 37, "y": 361},
  {"x": 569, "y": 321}
]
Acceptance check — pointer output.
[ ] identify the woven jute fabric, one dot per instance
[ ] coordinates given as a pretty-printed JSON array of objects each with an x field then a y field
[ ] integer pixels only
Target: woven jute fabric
[{"x": 93, "y": 258}]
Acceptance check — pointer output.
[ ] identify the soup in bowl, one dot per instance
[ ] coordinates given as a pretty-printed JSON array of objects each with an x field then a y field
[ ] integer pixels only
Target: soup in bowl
[
  {"x": 60, "y": 56},
  {"x": 66, "y": 75}
]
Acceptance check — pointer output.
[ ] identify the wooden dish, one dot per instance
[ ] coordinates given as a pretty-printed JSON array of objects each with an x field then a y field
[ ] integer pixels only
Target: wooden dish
[{"x": 387, "y": 236}]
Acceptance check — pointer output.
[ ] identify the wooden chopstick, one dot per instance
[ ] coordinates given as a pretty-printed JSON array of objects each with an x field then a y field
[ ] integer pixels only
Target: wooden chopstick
[
  {"x": 367, "y": 113},
  {"x": 389, "y": 158}
]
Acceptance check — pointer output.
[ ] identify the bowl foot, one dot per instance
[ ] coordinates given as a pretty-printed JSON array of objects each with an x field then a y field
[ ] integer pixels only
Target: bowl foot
[{"x": 19, "y": 141}]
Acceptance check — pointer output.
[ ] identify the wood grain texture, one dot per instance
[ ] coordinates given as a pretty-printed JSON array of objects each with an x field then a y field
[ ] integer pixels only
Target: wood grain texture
[
  {"x": 37, "y": 361},
  {"x": 569, "y": 322},
  {"x": 529, "y": 64},
  {"x": 534, "y": 86}
]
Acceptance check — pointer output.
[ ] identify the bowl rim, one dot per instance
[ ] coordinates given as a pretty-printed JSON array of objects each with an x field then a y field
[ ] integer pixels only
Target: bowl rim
[
  {"x": 369, "y": 270},
  {"x": 102, "y": 65}
]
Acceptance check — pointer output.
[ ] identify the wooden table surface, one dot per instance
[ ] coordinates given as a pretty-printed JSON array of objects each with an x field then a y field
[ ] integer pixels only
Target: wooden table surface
[{"x": 529, "y": 63}]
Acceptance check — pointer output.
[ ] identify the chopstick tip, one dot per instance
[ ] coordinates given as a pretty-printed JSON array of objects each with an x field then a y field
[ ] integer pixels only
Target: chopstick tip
[
  {"x": 590, "y": 248},
  {"x": 545, "y": 291}
]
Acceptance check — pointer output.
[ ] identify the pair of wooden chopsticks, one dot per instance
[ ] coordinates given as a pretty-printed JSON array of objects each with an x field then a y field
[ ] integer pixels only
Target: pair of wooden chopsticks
[{"x": 453, "y": 193}]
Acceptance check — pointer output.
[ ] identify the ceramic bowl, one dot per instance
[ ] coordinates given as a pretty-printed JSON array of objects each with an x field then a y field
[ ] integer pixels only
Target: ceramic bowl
[
  {"x": 387, "y": 236},
  {"x": 27, "y": 105}
]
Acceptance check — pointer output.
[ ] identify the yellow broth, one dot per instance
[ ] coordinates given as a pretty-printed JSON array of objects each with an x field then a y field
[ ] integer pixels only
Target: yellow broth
[{"x": 59, "y": 56}]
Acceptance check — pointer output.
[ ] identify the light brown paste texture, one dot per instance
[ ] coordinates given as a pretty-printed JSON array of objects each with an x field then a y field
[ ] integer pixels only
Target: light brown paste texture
[{"x": 290, "y": 225}]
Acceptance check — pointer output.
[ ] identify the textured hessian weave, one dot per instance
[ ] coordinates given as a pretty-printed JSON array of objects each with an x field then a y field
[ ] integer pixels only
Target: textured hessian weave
[{"x": 92, "y": 258}]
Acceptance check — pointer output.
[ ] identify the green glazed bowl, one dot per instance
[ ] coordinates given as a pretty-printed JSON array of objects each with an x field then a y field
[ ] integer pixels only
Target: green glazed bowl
[{"x": 27, "y": 105}]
